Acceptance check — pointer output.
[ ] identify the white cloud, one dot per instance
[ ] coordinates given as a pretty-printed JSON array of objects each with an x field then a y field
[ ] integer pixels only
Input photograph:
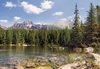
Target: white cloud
[
  {"x": 16, "y": 18},
  {"x": 58, "y": 14},
  {"x": 10, "y": 5},
  {"x": 47, "y": 5},
  {"x": 3, "y": 21},
  {"x": 29, "y": 8}
]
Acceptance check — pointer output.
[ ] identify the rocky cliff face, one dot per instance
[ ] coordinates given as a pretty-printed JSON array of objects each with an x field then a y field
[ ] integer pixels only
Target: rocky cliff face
[
  {"x": 30, "y": 25},
  {"x": 23, "y": 25}
]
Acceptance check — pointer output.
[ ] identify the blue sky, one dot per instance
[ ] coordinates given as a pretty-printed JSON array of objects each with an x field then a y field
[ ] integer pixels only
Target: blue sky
[{"x": 41, "y": 11}]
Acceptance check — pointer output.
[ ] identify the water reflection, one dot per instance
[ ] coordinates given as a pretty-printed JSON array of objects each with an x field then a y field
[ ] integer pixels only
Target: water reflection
[
  {"x": 15, "y": 55},
  {"x": 8, "y": 52},
  {"x": 30, "y": 50}
]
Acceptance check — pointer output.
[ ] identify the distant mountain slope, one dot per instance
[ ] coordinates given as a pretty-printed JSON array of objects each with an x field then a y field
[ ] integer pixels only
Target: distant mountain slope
[
  {"x": 3, "y": 27},
  {"x": 23, "y": 25},
  {"x": 31, "y": 25},
  {"x": 61, "y": 24}
]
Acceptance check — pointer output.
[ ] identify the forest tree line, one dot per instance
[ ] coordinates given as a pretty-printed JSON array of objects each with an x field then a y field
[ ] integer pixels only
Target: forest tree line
[{"x": 80, "y": 35}]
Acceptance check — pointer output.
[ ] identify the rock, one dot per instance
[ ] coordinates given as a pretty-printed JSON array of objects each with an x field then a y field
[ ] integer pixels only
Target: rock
[
  {"x": 57, "y": 59},
  {"x": 87, "y": 61},
  {"x": 97, "y": 57},
  {"x": 88, "y": 50},
  {"x": 44, "y": 67},
  {"x": 4, "y": 68},
  {"x": 97, "y": 60},
  {"x": 97, "y": 63},
  {"x": 44, "y": 63},
  {"x": 68, "y": 66},
  {"x": 30, "y": 65},
  {"x": 18, "y": 67},
  {"x": 78, "y": 50},
  {"x": 75, "y": 65}
]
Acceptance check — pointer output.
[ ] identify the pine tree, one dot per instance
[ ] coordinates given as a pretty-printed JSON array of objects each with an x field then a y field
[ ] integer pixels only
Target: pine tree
[
  {"x": 98, "y": 13},
  {"x": 4, "y": 37},
  {"x": 22, "y": 37},
  {"x": 76, "y": 34},
  {"x": 98, "y": 21},
  {"x": 91, "y": 34},
  {"x": 31, "y": 36},
  {"x": 9, "y": 36},
  {"x": 67, "y": 36},
  {"x": 1, "y": 31}
]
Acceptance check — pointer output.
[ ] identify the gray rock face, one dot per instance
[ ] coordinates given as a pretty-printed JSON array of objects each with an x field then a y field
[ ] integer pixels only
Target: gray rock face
[
  {"x": 38, "y": 26},
  {"x": 23, "y": 25},
  {"x": 30, "y": 25}
]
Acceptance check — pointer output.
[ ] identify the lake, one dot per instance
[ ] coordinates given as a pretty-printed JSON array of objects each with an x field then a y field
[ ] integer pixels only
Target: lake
[{"x": 13, "y": 55}]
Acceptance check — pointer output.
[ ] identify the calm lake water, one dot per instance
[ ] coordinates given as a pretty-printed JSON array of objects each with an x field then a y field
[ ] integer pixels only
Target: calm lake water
[
  {"x": 18, "y": 52},
  {"x": 22, "y": 51}
]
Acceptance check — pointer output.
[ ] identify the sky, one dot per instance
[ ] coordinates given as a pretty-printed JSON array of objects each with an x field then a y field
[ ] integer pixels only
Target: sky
[{"x": 42, "y": 11}]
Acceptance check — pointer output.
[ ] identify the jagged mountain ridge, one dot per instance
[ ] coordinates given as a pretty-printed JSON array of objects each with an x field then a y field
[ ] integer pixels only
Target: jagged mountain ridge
[
  {"x": 23, "y": 25},
  {"x": 31, "y": 25}
]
